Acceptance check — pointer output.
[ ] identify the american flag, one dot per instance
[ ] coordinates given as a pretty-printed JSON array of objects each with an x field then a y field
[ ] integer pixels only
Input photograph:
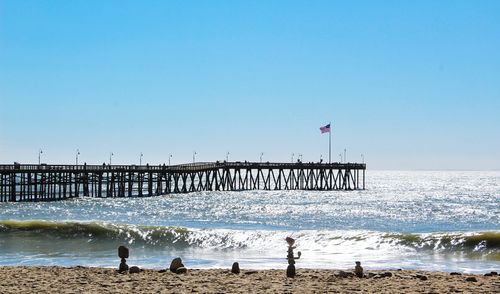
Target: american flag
[{"x": 325, "y": 129}]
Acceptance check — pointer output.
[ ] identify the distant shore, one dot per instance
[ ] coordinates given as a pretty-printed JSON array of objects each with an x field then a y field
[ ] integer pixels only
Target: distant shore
[{"x": 104, "y": 280}]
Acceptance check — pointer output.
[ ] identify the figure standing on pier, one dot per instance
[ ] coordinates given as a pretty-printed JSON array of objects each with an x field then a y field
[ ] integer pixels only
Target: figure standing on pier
[{"x": 290, "y": 271}]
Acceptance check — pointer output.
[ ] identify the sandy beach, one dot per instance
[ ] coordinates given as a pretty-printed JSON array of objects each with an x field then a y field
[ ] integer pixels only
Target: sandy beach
[{"x": 104, "y": 280}]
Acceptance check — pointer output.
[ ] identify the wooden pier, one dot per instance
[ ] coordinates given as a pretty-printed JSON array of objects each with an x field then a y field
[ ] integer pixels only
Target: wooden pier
[{"x": 20, "y": 182}]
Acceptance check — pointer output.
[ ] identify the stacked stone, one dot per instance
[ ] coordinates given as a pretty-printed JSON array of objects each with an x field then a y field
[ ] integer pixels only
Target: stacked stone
[
  {"x": 123, "y": 268},
  {"x": 290, "y": 271},
  {"x": 358, "y": 270},
  {"x": 123, "y": 254}
]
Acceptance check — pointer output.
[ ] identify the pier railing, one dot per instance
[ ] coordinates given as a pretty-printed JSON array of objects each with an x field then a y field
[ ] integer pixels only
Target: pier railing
[{"x": 43, "y": 182}]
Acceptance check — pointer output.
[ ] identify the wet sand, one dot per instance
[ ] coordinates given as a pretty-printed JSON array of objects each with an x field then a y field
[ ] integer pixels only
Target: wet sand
[{"x": 103, "y": 280}]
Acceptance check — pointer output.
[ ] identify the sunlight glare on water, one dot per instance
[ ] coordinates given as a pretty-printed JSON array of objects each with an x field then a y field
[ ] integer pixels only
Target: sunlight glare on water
[{"x": 251, "y": 225}]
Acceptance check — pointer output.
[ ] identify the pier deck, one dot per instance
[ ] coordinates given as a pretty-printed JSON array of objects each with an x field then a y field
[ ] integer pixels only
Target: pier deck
[{"x": 28, "y": 182}]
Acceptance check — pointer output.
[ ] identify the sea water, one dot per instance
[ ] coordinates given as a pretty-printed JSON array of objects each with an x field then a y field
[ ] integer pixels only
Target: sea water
[{"x": 447, "y": 221}]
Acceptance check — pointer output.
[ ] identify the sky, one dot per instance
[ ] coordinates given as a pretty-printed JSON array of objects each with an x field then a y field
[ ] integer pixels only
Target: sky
[{"x": 411, "y": 85}]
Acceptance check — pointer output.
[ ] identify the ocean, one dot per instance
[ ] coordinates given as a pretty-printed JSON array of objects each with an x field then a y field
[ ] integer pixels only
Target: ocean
[{"x": 428, "y": 220}]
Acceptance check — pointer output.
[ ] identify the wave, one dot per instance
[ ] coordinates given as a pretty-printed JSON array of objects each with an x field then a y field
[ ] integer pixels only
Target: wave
[
  {"x": 448, "y": 241},
  {"x": 178, "y": 237},
  {"x": 474, "y": 244},
  {"x": 155, "y": 236},
  {"x": 97, "y": 231}
]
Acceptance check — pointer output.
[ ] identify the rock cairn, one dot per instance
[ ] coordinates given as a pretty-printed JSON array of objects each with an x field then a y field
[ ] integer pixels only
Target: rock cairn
[
  {"x": 358, "y": 270},
  {"x": 123, "y": 254},
  {"x": 290, "y": 271}
]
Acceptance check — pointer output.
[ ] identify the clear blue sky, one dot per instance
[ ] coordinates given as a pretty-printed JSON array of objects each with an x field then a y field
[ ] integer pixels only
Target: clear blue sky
[{"x": 410, "y": 84}]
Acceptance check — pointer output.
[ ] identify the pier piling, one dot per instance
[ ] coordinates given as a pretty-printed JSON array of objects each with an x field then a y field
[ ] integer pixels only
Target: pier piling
[{"x": 20, "y": 182}]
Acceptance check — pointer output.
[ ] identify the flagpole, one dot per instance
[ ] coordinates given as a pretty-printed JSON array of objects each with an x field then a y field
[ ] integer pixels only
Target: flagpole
[{"x": 330, "y": 143}]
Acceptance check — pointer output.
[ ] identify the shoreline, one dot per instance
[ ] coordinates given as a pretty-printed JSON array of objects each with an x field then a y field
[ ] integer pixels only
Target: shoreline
[{"x": 54, "y": 279}]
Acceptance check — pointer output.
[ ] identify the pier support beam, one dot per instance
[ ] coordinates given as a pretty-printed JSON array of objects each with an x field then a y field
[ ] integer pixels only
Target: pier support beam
[{"x": 58, "y": 182}]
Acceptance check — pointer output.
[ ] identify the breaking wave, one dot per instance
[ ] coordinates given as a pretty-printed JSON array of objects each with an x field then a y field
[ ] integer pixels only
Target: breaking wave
[
  {"x": 486, "y": 243},
  {"x": 448, "y": 241}
]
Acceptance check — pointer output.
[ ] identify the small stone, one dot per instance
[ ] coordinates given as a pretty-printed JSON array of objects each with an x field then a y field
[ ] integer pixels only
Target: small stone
[
  {"x": 422, "y": 277},
  {"x": 175, "y": 264},
  {"x": 386, "y": 274},
  {"x": 488, "y": 275},
  {"x": 494, "y": 273},
  {"x": 455, "y": 274},
  {"x": 290, "y": 271},
  {"x": 236, "y": 268},
  {"x": 134, "y": 270},
  {"x": 471, "y": 279},
  {"x": 181, "y": 270},
  {"x": 122, "y": 252}
]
